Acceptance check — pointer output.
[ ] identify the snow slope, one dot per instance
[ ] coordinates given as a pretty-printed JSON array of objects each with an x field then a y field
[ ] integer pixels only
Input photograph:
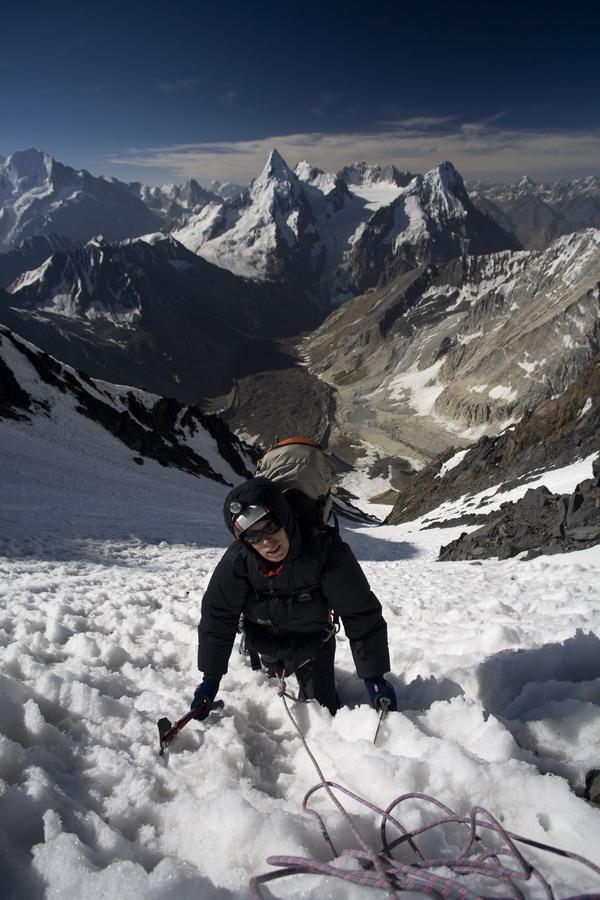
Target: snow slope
[{"x": 103, "y": 564}]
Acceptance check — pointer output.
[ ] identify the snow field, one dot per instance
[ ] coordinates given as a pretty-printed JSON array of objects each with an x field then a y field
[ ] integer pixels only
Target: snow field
[{"x": 102, "y": 568}]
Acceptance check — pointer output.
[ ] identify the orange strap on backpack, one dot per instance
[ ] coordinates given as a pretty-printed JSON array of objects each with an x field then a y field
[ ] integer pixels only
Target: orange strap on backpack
[{"x": 295, "y": 440}]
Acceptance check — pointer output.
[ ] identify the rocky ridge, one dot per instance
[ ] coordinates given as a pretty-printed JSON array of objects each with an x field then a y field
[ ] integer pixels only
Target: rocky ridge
[
  {"x": 540, "y": 523},
  {"x": 432, "y": 220},
  {"x": 149, "y": 313},
  {"x": 150, "y": 426},
  {"x": 444, "y": 354},
  {"x": 554, "y": 434},
  {"x": 30, "y": 254}
]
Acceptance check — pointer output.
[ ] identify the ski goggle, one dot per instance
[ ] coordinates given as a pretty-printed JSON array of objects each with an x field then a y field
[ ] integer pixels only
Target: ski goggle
[{"x": 255, "y": 537}]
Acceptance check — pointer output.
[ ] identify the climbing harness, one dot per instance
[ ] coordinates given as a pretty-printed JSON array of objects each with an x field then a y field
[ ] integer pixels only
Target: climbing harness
[{"x": 502, "y": 864}]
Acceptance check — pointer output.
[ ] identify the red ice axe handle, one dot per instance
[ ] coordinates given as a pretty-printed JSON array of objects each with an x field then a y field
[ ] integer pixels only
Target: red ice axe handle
[{"x": 167, "y": 731}]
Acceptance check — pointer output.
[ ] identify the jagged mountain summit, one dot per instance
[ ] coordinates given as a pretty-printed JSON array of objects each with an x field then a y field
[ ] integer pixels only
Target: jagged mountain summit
[
  {"x": 50, "y": 397},
  {"x": 265, "y": 235},
  {"x": 446, "y": 353},
  {"x": 334, "y": 235},
  {"x": 432, "y": 220},
  {"x": 40, "y": 196},
  {"x": 537, "y": 213},
  {"x": 174, "y": 202}
]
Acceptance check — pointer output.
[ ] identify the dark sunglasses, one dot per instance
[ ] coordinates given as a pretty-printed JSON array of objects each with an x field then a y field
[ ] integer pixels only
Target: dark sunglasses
[{"x": 255, "y": 537}]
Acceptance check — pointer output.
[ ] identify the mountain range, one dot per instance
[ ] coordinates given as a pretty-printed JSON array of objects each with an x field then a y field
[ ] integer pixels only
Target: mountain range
[
  {"x": 146, "y": 312},
  {"x": 376, "y": 306},
  {"x": 40, "y": 196},
  {"x": 537, "y": 213}
]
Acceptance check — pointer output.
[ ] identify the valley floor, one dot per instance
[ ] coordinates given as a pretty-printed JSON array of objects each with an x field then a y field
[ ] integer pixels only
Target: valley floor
[{"x": 496, "y": 665}]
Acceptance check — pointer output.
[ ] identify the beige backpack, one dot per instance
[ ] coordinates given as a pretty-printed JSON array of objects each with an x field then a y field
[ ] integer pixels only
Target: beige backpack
[{"x": 300, "y": 468}]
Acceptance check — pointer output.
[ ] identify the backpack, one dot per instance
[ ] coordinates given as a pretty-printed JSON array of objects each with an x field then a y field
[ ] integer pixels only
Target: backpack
[{"x": 300, "y": 468}]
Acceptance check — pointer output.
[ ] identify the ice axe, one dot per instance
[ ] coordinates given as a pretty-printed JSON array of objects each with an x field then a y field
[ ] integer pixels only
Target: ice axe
[
  {"x": 384, "y": 708},
  {"x": 167, "y": 731}
]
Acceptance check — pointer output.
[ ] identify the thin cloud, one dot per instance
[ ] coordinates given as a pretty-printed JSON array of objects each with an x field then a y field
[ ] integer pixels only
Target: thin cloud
[
  {"x": 178, "y": 84},
  {"x": 227, "y": 99},
  {"x": 424, "y": 122},
  {"x": 477, "y": 152}
]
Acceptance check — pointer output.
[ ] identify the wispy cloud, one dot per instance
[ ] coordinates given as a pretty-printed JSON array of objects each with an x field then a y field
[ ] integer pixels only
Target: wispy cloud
[
  {"x": 177, "y": 84},
  {"x": 227, "y": 99},
  {"x": 422, "y": 123},
  {"x": 478, "y": 150}
]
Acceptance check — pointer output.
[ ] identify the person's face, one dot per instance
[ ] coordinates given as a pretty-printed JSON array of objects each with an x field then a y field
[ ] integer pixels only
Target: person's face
[{"x": 273, "y": 547}]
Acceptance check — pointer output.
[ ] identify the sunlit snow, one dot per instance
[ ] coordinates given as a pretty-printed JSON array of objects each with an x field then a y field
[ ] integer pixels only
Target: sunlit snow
[{"x": 103, "y": 564}]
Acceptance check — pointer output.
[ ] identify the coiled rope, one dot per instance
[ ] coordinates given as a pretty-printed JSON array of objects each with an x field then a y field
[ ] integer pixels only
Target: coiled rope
[{"x": 504, "y": 864}]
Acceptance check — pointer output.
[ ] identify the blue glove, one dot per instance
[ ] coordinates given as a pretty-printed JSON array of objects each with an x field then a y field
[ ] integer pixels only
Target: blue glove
[
  {"x": 380, "y": 689},
  {"x": 204, "y": 695}
]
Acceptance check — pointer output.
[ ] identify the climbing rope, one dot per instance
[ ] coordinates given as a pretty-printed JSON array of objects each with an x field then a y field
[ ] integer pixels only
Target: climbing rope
[{"x": 502, "y": 863}]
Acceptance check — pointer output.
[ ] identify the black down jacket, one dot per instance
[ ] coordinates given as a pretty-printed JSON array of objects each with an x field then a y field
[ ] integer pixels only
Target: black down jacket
[{"x": 320, "y": 574}]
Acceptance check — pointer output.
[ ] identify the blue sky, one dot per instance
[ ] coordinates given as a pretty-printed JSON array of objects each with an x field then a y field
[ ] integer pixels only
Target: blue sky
[{"x": 162, "y": 92}]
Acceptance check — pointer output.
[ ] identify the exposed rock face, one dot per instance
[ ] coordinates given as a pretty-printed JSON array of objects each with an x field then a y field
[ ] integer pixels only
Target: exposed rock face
[
  {"x": 541, "y": 522},
  {"x": 539, "y": 213},
  {"x": 361, "y": 174},
  {"x": 287, "y": 401},
  {"x": 39, "y": 195},
  {"x": 151, "y": 426},
  {"x": 443, "y": 351},
  {"x": 555, "y": 434},
  {"x": 431, "y": 221}
]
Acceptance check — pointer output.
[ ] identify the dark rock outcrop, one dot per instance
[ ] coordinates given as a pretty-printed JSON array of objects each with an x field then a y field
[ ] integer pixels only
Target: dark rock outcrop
[
  {"x": 14, "y": 401},
  {"x": 540, "y": 522}
]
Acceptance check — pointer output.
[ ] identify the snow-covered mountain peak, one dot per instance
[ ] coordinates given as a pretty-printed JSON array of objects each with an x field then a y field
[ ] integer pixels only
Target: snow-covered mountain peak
[
  {"x": 28, "y": 169},
  {"x": 325, "y": 182},
  {"x": 526, "y": 183},
  {"x": 276, "y": 184},
  {"x": 305, "y": 172},
  {"x": 446, "y": 178},
  {"x": 276, "y": 167},
  {"x": 40, "y": 196},
  {"x": 440, "y": 191}
]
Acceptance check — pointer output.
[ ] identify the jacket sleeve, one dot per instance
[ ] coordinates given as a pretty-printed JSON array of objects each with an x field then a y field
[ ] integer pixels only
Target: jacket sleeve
[
  {"x": 221, "y": 608},
  {"x": 347, "y": 590}
]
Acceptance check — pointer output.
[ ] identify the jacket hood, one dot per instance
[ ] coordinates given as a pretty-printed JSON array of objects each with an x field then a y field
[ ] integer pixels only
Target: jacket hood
[{"x": 262, "y": 492}]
